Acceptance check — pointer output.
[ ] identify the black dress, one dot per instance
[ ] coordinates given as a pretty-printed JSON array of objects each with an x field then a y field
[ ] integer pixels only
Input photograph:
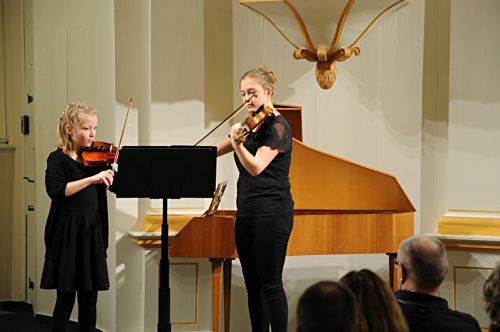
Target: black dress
[{"x": 76, "y": 233}]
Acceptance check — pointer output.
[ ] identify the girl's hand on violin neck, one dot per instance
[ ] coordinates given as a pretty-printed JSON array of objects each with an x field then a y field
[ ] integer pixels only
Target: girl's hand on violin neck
[{"x": 104, "y": 177}]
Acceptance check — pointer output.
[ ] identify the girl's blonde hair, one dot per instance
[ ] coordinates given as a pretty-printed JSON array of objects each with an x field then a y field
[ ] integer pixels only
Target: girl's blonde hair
[
  {"x": 71, "y": 116},
  {"x": 263, "y": 75}
]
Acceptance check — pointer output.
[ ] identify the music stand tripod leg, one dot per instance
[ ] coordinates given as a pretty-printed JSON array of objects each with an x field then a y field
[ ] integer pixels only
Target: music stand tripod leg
[{"x": 164, "y": 290}]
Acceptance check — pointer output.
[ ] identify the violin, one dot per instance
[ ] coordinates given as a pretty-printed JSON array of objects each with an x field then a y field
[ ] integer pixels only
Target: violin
[
  {"x": 253, "y": 123},
  {"x": 99, "y": 154},
  {"x": 102, "y": 153}
]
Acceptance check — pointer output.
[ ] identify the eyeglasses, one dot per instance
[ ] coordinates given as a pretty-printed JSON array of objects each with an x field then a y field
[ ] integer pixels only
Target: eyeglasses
[{"x": 398, "y": 263}]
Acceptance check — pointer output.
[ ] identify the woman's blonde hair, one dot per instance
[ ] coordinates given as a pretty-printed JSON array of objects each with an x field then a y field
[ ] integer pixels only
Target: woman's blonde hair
[
  {"x": 379, "y": 309},
  {"x": 263, "y": 75},
  {"x": 71, "y": 116}
]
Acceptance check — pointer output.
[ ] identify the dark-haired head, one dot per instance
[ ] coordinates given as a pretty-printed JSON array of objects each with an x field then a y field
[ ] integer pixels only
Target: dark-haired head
[{"x": 327, "y": 306}]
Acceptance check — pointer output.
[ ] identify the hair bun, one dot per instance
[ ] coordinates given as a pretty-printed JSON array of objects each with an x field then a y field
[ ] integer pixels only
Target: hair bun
[
  {"x": 270, "y": 74},
  {"x": 263, "y": 75}
]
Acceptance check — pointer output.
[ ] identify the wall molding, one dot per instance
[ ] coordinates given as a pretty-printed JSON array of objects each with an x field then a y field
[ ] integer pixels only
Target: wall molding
[{"x": 470, "y": 223}]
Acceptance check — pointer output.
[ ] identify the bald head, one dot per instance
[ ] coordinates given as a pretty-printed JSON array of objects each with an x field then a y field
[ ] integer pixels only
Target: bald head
[{"x": 424, "y": 260}]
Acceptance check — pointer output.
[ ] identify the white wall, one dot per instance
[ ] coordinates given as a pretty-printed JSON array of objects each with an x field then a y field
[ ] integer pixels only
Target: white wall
[
  {"x": 6, "y": 252},
  {"x": 133, "y": 77},
  {"x": 474, "y": 106},
  {"x": 12, "y": 218},
  {"x": 3, "y": 111},
  {"x": 435, "y": 91}
]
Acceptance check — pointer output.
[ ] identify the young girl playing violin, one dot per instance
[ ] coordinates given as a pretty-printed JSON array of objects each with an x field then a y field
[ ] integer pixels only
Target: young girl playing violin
[
  {"x": 76, "y": 233},
  {"x": 265, "y": 207}
]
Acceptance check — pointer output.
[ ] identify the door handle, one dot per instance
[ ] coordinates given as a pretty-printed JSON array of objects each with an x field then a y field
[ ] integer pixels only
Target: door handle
[{"x": 28, "y": 179}]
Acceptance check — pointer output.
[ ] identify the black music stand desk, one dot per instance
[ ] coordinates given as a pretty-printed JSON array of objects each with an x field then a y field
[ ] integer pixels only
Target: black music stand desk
[{"x": 165, "y": 172}]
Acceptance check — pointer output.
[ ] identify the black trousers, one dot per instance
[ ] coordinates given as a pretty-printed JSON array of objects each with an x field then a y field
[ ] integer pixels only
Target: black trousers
[
  {"x": 87, "y": 306},
  {"x": 261, "y": 243}
]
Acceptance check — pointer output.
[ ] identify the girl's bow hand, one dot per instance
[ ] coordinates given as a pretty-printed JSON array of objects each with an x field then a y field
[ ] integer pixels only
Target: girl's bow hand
[{"x": 104, "y": 177}]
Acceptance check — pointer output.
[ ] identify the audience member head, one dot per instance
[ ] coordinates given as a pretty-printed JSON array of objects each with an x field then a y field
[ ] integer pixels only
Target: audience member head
[
  {"x": 378, "y": 309},
  {"x": 491, "y": 296},
  {"x": 327, "y": 306},
  {"x": 422, "y": 264}
]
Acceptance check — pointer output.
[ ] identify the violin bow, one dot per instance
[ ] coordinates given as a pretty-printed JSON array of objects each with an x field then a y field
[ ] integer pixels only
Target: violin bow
[
  {"x": 130, "y": 102},
  {"x": 226, "y": 119}
]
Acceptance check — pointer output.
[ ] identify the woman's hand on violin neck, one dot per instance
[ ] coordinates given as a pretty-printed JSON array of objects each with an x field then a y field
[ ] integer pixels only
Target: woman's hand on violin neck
[
  {"x": 104, "y": 177},
  {"x": 234, "y": 134}
]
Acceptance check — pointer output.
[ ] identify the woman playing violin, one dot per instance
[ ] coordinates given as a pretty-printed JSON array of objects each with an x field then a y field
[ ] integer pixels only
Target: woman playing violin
[
  {"x": 264, "y": 219},
  {"x": 76, "y": 233}
]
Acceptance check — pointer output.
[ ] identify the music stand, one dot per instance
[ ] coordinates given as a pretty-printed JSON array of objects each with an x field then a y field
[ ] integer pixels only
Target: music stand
[{"x": 165, "y": 172}]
